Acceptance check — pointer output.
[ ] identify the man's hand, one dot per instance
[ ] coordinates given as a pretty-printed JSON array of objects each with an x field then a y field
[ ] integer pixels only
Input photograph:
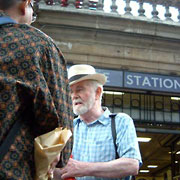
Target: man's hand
[{"x": 73, "y": 168}]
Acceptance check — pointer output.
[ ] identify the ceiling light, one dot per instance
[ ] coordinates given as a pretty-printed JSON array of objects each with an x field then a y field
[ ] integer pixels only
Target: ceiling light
[
  {"x": 175, "y": 98},
  {"x": 152, "y": 166},
  {"x": 174, "y": 152},
  {"x": 176, "y": 162},
  {"x": 113, "y": 92},
  {"x": 178, "y": 152},
  {"x": 143, "y": 139},
  {"x": 144, "y": 171}
]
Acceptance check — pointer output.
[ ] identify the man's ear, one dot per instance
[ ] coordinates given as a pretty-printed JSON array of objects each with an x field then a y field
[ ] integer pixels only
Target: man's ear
[
  {"x": 22, "y": 7},
  {"x": 98, "y": 92}
]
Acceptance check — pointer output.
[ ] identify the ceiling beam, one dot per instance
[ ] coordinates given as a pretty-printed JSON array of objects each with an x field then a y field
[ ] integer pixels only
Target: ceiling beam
[{"x": 158, "y": 131}]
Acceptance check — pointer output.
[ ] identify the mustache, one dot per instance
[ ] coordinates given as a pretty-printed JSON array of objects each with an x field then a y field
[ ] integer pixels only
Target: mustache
[{"x": 77, "y": 101}]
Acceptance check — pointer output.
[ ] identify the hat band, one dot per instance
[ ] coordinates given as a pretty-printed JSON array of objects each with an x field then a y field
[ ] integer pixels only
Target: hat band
[{"x": 76, "y": 77}]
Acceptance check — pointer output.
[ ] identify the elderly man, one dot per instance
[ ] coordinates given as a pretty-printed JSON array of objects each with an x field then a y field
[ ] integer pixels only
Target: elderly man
[
  {"x": 34, "y": 90},
  {"x": 94, "y": 153}
]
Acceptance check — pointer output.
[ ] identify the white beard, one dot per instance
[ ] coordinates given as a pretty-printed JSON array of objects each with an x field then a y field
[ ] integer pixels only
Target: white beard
[{"x": 84, "y": 107}]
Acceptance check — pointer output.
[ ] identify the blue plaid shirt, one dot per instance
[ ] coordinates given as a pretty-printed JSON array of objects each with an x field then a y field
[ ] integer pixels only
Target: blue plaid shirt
[{"x": 93, "y": 142}]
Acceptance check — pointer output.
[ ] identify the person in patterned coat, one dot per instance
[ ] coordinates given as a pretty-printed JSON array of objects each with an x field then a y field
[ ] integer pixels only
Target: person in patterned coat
[{"x": 34, "y": 89}]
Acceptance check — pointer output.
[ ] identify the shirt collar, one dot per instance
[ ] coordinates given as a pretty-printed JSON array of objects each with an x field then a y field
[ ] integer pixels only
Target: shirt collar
[
  {"x": 5, "y": 19},
  {"x": 103, "y": 119}
]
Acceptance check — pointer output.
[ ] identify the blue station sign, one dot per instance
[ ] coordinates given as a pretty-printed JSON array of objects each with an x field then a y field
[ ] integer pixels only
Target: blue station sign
[
  {"x": 141, "y": 81},
  {"x": 151, "y": 82}
]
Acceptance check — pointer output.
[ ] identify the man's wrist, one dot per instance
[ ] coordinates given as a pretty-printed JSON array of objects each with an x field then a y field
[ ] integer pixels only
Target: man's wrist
[{"x": 57, "y": 174}]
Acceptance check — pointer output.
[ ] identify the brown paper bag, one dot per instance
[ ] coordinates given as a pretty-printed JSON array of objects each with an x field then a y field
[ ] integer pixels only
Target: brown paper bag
[{"x": 47, "y": 147}]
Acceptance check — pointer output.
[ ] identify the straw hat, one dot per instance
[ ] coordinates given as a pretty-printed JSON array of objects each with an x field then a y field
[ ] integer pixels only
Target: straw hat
[{"x": 81, "y": 72}]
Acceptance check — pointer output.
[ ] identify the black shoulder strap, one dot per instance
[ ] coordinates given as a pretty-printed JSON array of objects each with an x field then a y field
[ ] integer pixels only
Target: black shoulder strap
[
  {"x": 4, "y": 147},
  {"x": 113, "y": 129}
]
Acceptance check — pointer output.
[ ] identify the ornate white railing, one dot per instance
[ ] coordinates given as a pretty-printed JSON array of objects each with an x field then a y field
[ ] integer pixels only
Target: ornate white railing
[{"x": 159, "y": 10}]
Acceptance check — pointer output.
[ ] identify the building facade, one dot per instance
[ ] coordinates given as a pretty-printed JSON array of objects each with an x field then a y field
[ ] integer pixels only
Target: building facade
[{"x": 141, "y": 58}]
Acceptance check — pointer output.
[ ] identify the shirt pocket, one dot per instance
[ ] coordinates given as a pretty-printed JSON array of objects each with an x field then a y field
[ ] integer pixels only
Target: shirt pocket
[{"x": 102, "y": 149}]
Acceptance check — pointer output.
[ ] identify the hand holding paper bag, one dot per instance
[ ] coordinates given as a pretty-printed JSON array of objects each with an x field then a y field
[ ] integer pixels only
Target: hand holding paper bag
[{"x": 47, "y": 147}]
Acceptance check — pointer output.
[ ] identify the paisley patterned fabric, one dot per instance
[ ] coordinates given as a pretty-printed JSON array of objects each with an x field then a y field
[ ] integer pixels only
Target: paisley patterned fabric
[{"x": 34, "y": 87}]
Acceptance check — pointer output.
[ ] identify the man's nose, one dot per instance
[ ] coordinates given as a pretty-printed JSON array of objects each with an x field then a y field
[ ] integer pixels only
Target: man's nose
[{"x": 74, "y": 96}]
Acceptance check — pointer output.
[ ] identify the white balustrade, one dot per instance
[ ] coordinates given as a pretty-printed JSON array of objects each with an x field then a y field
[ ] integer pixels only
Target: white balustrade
[{"x": 116, "y": 5}]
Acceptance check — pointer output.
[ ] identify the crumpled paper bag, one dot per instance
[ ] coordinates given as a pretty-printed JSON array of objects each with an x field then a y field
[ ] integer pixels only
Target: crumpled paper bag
[{"x": 47, "y": 147}]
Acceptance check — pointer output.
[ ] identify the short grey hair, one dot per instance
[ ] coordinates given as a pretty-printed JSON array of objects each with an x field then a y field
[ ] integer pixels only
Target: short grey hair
[{"x": 95, "y": 84}]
